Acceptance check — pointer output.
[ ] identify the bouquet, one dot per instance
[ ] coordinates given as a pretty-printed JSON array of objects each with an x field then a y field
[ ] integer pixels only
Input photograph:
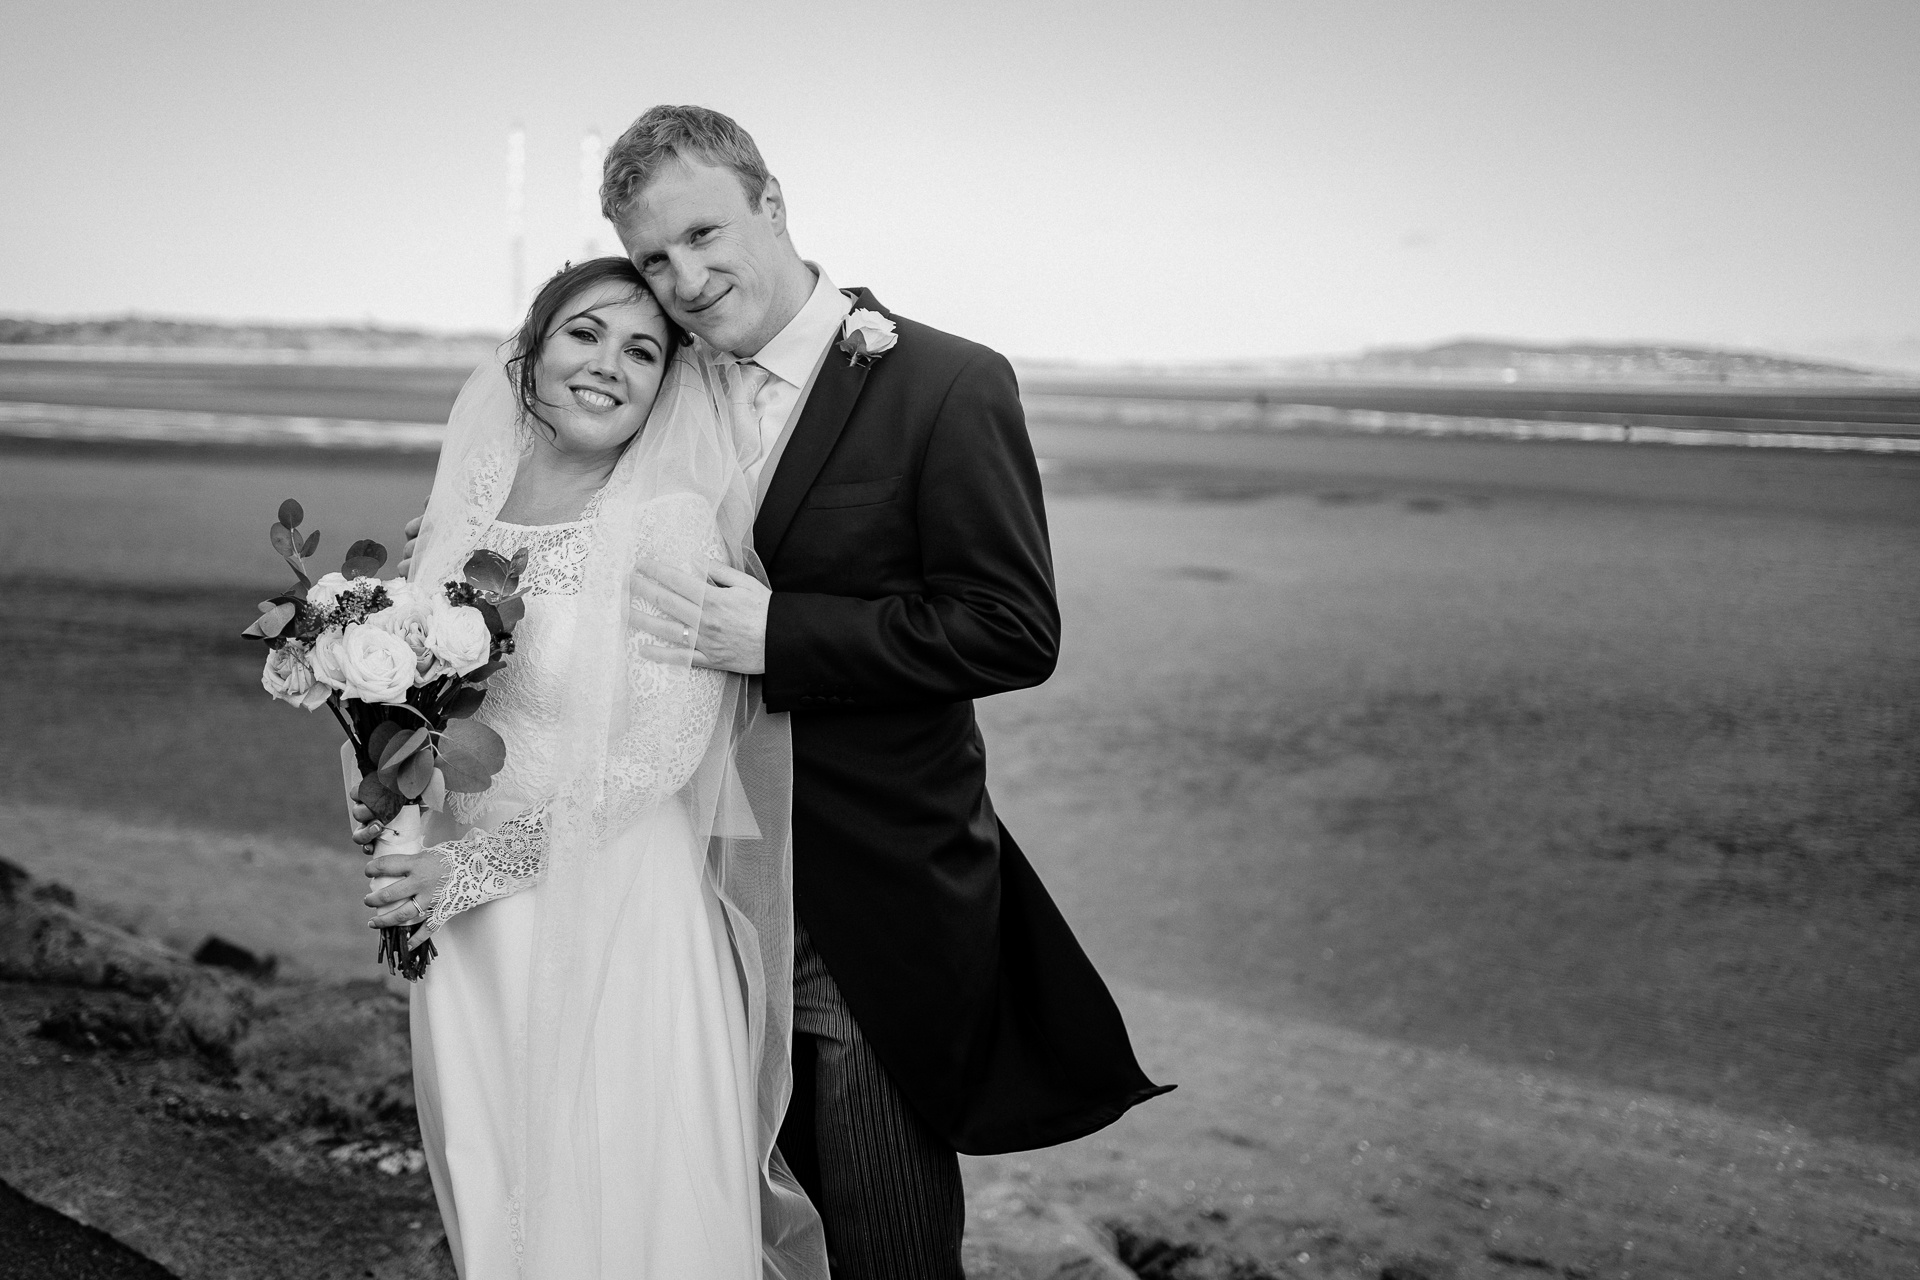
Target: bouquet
[{"x": 403, "y": 666}]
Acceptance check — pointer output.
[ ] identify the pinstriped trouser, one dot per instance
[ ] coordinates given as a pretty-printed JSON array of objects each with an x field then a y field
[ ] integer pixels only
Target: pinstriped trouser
[{"x": 886, "y": 1185}]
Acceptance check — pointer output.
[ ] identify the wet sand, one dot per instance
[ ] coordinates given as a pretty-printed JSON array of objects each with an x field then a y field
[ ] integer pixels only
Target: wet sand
[{"x": 1591, "y": 758}]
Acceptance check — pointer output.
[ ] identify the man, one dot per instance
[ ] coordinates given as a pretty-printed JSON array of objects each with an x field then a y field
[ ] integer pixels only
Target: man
[{"x": 941, "y": 1004}]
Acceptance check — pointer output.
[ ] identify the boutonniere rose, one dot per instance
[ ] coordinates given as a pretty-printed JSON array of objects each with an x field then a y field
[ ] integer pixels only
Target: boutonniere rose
[{"x": 865, "y": 335}]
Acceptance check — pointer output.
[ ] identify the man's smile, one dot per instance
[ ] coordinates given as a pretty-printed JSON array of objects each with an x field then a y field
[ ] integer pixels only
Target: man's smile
[{"x": 696, "y": 309}]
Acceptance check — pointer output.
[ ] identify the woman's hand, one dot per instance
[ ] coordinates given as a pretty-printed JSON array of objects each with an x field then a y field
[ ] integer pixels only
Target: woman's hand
[{"x": 407, "y": 901}]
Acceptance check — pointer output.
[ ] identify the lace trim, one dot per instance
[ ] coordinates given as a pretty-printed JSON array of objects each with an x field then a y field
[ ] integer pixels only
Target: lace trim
[
  {"x": 487, "y": 865},
  {"x": 516, "y": 1225}
]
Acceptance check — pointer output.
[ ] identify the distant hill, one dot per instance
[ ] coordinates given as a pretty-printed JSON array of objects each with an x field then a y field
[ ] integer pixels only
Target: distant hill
[
  {"x": 185, "y": 336},
  {"x": 1493, "y": 360},
  {"x": 1463, "y": 359},
  {"x": 1513, "y": 361}
]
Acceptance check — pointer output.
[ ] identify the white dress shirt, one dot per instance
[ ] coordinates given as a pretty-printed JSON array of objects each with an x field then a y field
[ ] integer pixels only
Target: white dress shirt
[{"x": 791, "y": 357}]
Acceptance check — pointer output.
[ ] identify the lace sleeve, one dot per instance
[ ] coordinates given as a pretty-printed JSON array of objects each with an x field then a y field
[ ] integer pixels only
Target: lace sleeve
[{"x": 490, "y": 864}]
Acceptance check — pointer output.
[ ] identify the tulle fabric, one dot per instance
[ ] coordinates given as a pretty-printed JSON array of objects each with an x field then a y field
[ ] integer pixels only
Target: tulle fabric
[{"x": 636, "y": 757}]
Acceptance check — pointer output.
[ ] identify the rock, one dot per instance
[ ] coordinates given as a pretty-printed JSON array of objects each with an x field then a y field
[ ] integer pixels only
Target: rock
[
  {"x": 44, "y": 938},
  {"x": 220, "y": 953}
]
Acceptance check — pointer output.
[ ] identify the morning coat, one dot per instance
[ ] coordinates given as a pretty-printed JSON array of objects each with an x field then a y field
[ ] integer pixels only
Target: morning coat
[{"x": 905, "y": 540}]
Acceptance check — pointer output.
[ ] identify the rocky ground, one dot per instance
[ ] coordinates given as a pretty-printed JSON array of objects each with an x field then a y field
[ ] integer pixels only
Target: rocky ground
[{"x": 221, "y": 1123}]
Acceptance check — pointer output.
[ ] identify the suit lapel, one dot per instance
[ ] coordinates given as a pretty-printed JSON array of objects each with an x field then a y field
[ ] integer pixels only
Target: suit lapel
[{"x": 822, "y": 418}]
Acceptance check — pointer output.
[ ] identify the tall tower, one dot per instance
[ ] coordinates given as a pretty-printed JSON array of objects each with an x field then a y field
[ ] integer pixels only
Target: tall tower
[
  {"x": 593, "y": 154},
  {"x": 517, "y": 220}
]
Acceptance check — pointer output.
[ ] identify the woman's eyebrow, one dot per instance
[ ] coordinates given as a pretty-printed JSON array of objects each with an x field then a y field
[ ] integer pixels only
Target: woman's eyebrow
[
  {"x": 642, "y": 333},
  {"x": 584, "y": 315}
]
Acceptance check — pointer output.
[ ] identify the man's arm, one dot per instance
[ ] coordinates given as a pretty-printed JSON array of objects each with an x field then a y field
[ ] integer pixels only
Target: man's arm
[{"x": 987, "y": 622}]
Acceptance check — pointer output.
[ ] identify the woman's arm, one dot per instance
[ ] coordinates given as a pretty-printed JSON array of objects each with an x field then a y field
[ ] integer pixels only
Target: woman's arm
[
  {"x": 483, "y": 865},
  {"x": 458, "y": 875}
]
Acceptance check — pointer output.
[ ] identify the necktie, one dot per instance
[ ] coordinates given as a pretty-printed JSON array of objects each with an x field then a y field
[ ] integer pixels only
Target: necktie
[{"x": 750, "y": 399}]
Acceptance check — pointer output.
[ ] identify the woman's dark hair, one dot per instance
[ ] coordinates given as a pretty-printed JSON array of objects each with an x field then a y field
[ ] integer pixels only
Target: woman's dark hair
[{"x": 523, "y": 366}]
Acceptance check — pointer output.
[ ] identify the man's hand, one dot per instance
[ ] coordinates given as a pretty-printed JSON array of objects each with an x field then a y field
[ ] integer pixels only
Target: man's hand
[
  {"x": 723, "y": 619},
  {"x": 412, "y": 531}
]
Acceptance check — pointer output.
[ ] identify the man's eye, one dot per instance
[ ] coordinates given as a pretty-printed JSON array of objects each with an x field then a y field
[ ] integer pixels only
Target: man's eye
[
  {"x": 654, "y": 263},
  {"x": 702, "y": 234}
]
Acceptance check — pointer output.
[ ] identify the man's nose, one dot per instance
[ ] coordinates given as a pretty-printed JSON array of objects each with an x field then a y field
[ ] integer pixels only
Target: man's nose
[{"x": 689, "y": 274}]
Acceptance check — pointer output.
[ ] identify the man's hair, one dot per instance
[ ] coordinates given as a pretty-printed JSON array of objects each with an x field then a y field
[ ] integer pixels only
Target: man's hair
[{"x": 666, "y": 134}]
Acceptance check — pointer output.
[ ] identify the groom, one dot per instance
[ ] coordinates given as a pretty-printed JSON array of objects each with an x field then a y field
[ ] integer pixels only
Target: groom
[{"x": 940, "y": 1002}]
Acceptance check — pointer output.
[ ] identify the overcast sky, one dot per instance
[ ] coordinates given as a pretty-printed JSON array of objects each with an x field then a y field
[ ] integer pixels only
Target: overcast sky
[{"x": 1099, "y": 180}]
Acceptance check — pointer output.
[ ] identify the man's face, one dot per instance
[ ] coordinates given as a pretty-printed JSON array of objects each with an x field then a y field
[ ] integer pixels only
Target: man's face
[{"x": 713, "y": 258}]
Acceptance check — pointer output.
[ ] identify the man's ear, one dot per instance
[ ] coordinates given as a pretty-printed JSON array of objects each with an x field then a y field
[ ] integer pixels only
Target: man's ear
[{"x": 774, "y": 205}]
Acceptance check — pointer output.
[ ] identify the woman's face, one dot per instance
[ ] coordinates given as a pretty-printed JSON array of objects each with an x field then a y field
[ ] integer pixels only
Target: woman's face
[{"x": 600, "y": 368}]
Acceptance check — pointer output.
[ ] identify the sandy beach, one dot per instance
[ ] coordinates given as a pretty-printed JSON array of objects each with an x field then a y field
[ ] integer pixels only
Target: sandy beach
[{"x": 1584, "y": 764}]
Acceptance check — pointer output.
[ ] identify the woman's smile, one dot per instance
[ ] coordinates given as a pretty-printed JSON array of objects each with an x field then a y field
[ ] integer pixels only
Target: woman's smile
[{"x": 594, "y": 401}]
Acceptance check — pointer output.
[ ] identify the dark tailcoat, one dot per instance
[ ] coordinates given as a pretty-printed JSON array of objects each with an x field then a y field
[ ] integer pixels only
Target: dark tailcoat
[{"x": 906, "y": 544}]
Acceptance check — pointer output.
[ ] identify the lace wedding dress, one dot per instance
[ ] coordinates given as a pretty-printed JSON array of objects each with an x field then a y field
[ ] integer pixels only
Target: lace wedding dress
[
  {"x": 677, "y": 1167},
  {"x": 601, "y": 1046}
]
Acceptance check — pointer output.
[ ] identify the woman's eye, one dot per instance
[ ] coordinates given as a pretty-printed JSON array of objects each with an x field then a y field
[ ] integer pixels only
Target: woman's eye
[
  {"x": 642, "y": 354},
  {"x": 584, "y": 334}
]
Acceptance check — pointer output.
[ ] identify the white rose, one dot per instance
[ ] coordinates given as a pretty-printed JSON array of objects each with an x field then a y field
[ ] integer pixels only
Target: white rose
[
  {"x": 365, "y": 662},
  {"x": 457, "y": 635},
  {"x": 323, "y": 594},
  {"x": 868, "y": 333},
  {"x": 406, "y": 617},
  {"x": 288, "y": 677}
]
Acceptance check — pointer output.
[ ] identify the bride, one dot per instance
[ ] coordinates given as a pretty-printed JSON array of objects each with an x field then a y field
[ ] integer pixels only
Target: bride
[{"x": 600, "y": 1047}]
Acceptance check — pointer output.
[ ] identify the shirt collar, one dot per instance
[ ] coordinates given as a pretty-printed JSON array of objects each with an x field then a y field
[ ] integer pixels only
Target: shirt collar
[{"x": 791, "y": 354}]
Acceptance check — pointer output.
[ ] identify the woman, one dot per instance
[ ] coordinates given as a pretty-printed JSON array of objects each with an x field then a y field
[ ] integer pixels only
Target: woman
[{"x": 601, "y": 1044}]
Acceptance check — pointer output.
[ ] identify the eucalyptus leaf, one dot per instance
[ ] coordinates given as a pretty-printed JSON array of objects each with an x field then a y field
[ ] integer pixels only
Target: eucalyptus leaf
[
  {"x": 383, "y": 733},
  {"x": 465, "y": 701},
  {"x": 282, "y": 539},
  {"x": 275, "y": 621},
  {"x": 415, "y": 774},
  {"x": 435, "y": 796},
  {"x": 490, "y": 572},
  {"x": 291, "y": 514},
  {"x": 512, "y": 609},
  {"x": 377, "y": 796},
  {"x": 364, "y": 559},
  {"x": 479, "y": 675},
  {"x": 470, "y": 754},
  {"x": 311, "y": 545},
  {"x": 398, "y": 748}
]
